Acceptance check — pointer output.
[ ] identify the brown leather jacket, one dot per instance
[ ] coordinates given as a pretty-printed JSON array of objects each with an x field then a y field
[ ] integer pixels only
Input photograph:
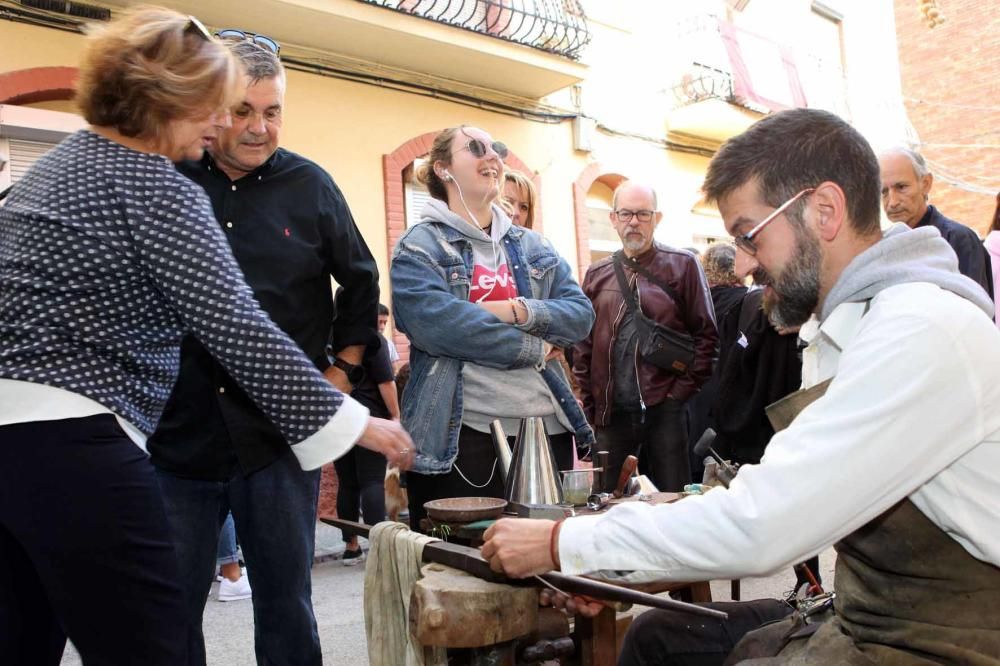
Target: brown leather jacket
[{"x": 594, "y": 354}]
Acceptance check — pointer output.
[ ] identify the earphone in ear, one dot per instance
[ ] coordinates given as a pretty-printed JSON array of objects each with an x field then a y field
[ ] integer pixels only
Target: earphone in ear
[{"x": 447, "y": 176}]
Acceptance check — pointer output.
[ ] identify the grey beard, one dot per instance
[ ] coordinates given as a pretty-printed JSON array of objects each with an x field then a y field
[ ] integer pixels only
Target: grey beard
[{"x": 634, "y": 245}]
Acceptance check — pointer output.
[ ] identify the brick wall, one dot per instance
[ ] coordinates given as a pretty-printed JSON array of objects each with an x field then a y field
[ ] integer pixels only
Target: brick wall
[{"x": 955, "y": 69}]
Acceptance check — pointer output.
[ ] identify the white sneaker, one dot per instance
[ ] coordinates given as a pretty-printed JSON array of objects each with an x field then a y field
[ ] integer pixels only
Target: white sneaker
[{"x": 230, "y": 591}]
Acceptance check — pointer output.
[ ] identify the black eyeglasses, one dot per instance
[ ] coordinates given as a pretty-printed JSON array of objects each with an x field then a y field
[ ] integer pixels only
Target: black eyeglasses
[
  {"x": 260, "y": 40},
  {"x": 478, "y": 148},
  {"x": 626, "y": 215},
  {"x": 745, "y": 242},
  {"x": 196, "y": 27}
]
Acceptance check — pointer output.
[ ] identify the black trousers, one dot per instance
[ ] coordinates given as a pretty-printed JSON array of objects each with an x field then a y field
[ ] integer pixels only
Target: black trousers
[
  {"x": 361, "y": 485},
  {"x": 85, "y": 548},
  {"x": 476, "y": 459},
  {"x": 673, "y": 638},
  {"x": 658, "y": 438}
]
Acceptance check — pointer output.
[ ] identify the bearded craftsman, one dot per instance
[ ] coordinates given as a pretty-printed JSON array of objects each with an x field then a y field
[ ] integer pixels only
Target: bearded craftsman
[{"x": 894, "y": 465}]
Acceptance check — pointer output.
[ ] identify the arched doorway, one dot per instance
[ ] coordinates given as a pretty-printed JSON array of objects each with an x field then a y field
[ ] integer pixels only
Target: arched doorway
[{"x": 591, "y": 204}]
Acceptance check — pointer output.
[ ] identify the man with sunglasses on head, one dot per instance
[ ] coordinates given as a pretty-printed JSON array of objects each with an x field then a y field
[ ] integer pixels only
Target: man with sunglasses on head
[
  {"x": 290, "y": 230},
  {"x": 635, "y": 406},
  {"x": 892, "y": 461}
]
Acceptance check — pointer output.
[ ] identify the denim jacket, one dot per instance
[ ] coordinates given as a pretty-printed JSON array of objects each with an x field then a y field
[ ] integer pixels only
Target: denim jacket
[{"x": 431, "y": 269}]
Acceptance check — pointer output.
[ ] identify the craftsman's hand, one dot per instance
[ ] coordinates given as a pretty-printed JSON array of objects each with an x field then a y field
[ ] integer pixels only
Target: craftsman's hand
[
  {"x": 338, "y": 378},
  {"x": 519, "y": 547},
  {"x": 388, "y": 438},
  {"x": 574, "y": 605}
]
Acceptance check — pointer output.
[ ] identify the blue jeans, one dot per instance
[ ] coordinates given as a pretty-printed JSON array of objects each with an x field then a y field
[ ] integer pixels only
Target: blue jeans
[
  {"x": 275, "y": 514},
  {"x": 227, "y": 552}
]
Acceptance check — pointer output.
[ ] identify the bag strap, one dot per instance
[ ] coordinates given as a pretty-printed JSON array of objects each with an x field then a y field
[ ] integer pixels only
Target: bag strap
[
  {"x": 3, "y": 195},
  {"x": 638, "y": 268},
  {"x": 633, "y": 307}
]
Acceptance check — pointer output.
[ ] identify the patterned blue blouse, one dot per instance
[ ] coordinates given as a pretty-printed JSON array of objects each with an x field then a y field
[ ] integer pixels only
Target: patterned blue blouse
[{"x": 108, "y": 256}]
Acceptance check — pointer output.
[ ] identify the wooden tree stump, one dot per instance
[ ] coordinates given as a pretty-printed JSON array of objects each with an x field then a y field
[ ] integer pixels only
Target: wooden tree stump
[{"x": 450, "y": 608}]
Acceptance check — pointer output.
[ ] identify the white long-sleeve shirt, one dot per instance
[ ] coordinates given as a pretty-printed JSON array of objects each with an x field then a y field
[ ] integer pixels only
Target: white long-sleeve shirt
[{"x": 913, "y": 411}]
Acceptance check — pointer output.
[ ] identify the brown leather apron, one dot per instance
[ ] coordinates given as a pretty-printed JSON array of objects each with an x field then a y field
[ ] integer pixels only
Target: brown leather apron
[{"x": 907, "y": 593}]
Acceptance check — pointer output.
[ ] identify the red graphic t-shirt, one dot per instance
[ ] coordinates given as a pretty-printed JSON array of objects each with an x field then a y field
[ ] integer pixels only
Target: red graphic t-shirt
[{"x": 495, "y": 286}]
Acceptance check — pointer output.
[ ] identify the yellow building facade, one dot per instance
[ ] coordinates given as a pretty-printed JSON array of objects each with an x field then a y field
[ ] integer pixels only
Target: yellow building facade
[{"x": 585, "y": 95}]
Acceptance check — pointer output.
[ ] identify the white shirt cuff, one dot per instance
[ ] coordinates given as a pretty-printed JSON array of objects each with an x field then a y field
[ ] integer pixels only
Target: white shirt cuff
[
  {"x": 335, "y": 438},
  {"x": 576, "y": 548}
]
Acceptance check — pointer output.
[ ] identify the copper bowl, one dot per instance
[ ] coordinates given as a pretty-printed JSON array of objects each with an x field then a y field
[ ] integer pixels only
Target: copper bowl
[{"x": 465, "y": 509}]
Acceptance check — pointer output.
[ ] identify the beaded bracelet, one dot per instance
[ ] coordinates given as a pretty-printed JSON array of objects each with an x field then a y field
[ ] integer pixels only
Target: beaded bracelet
[{"x": 513, "y": 311}]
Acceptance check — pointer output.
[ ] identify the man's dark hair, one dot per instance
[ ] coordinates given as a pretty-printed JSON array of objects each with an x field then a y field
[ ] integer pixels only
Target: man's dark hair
[
  {"x": 797, "y": 149},
  {"x": 383, "y": 311}
]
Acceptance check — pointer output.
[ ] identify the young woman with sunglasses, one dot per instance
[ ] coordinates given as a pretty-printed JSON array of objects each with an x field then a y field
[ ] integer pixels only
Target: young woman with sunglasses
[
  {"x": 109, "y": 257},
  {"x": 482, "y": 301}
]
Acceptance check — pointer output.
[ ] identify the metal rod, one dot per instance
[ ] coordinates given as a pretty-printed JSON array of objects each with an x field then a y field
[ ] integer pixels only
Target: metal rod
[{"x": 471, "y": 561}]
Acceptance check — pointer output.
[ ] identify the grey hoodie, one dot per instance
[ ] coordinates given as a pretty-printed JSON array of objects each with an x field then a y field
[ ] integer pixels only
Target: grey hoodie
[
  {"x": 490, "y": 393},
  {"x": 904, "y": 255}
]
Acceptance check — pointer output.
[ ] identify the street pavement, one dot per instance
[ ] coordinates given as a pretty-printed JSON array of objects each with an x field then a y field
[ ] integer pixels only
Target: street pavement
[{"x": 338, "y": 602}]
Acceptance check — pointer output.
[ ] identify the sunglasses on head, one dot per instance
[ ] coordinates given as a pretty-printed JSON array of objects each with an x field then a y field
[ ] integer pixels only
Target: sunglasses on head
[
  {"x": 196, "y": 27},
  {"x": 260, "y": 40},
  {"x": 478, "y": 148}
]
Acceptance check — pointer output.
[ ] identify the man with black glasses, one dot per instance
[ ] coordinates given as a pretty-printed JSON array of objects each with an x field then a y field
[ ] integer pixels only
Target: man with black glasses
[
  {"x": 290, "y": 231},
  {"x": 637, "y": 406}
]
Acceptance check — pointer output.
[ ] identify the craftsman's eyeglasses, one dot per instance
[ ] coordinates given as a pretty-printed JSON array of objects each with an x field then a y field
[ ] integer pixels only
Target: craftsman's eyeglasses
[
  {"x": 260, "y": 40},
  {"x": 478, "y": 148},
  {"x": 745, "y": 242},
  {"x": 625, "y": 215},
  {"x": 196, "y": 27}
]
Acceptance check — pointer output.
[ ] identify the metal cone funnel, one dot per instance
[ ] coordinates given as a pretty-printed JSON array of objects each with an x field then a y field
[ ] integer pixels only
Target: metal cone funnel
[{"x": 532, "y": 478}]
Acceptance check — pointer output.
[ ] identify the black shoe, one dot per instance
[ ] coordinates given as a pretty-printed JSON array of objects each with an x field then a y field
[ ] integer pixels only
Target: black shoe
[{"x": 352, "y": 557}]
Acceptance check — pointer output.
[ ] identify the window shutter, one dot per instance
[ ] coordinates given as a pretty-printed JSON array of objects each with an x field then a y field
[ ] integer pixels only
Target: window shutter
[{"x": 23, "y": 154}]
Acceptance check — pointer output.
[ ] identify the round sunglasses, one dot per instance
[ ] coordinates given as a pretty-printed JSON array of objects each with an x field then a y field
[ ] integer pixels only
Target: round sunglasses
[{"x": 478, "y": 148}]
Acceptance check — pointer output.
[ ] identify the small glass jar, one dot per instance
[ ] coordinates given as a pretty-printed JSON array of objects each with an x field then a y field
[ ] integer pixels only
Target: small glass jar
[{"x": 577, "y": 484}]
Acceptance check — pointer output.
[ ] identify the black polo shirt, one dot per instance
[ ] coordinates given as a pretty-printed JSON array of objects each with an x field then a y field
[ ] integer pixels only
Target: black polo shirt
[{"x": 290, "y": 230}]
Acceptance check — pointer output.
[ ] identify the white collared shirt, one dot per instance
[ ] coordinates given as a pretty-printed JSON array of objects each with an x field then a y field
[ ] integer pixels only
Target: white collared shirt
[
  {"x": 913, "y": 411},
  {"x": 819, "y": 358}
]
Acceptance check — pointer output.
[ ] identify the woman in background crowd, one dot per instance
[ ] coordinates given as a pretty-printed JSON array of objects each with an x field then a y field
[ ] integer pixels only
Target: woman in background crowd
[
  {"x": 361, "y": 473},
  {"x": 519, "y": 194},
  {"x": 482, "y": 301},
  {"x": 109, "y": 256}
]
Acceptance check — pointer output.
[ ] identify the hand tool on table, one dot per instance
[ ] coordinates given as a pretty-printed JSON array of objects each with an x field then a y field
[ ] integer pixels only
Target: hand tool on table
[
  {"x": 598, "y": 501},
  {"x": 471, "y": 561},
  {"x": 815, "y": 589},
  {"x": 624, "y": 485},
  {"x": 726, "y": 471}
]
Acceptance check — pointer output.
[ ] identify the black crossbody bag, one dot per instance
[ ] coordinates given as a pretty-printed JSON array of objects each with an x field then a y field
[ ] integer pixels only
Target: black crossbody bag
[{"x": 659, "y": 345}]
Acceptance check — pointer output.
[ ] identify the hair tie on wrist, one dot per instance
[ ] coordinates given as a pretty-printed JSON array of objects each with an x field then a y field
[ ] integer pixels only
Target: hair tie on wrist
[{"x": 554, "y": 542}]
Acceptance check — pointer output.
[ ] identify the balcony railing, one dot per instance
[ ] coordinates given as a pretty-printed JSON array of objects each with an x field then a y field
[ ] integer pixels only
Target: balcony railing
[
  {"x": 701, "y": 82},
  {"x": 556, "y": 26}
]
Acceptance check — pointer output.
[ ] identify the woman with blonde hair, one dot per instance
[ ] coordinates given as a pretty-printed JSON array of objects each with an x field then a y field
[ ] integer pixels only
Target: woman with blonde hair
[
  {"x": 519, "y": 194},
  {"x": 108, "y": 257},
  {"x": 482, "y": 301}
]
